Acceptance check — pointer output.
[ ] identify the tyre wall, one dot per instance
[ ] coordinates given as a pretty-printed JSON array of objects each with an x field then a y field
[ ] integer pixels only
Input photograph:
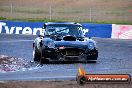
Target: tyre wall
[{"x": 89, "y": 29}]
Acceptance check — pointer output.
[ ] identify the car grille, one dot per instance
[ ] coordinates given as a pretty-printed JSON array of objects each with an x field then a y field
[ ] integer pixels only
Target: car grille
[{"x": 72, "y": 52}]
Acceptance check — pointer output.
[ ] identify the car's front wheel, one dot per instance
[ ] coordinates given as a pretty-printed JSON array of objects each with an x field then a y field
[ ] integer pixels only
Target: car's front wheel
[
  {"x": 43, "y": 60},
  {"x": 92, "y": 58},
  {"x": 36, "y": 55}
]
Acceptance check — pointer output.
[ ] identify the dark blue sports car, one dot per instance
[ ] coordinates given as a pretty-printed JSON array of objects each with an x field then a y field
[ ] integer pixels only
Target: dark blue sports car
[{"x": 64, "y": 41}]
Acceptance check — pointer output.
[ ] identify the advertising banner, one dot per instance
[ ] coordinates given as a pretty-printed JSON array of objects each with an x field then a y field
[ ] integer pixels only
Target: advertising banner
[
  {"x": 35, "y": 28},
  {"x": 122, "y": 31},
  {"x": 97, "y": 30},
  {"x": 11, "y": 27}
]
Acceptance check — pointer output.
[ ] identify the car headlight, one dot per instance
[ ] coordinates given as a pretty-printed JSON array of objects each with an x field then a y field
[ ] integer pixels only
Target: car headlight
[
  {"x": 49, "y": 43},
  {"x": 91, "y": 45}
]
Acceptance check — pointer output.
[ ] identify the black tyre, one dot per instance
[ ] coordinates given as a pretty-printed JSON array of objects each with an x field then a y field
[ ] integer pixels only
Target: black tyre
[
  {"x": 92, "y": 59},
  {"x": 43, "y": 60},
  {"x": 36, "y": 55}
]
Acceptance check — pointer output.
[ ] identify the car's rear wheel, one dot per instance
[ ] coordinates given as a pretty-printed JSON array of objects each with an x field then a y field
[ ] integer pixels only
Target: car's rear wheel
[{"x": 36, "y": 55}]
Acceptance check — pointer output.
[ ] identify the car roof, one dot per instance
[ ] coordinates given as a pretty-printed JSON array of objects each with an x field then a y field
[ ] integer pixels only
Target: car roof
[{"x": 65, "y": 23}]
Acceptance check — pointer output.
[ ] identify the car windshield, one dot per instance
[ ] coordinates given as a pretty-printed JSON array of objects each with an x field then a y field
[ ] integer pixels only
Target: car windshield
[{"x": 62, "y": 30}]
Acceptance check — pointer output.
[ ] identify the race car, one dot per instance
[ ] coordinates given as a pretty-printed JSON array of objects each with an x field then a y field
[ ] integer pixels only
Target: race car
[{"x": 64, "y": 41}]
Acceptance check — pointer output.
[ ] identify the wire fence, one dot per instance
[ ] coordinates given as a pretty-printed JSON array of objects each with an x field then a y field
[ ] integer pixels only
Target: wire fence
[{"x": 66, "y": 14}]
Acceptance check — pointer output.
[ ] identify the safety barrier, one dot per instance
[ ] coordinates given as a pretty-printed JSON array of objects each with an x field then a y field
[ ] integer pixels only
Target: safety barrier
[
  {"x": 121, "y": 31},
  {"x": 89, "y": 29}
]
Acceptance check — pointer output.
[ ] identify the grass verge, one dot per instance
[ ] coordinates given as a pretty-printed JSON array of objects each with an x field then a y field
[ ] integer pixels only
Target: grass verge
[{"x": 64, "y": 20}]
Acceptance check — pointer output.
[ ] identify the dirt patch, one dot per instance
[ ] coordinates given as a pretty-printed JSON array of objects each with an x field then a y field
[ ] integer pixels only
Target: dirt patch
[
  {"x": 10, "y": 64},
  {"x": 70, "y": 3},
  {"x": 57, "y": 84}
]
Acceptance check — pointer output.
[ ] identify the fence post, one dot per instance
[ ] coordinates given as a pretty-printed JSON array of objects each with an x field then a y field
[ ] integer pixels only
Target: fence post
[
  {"x": 90, "y": 14},
  {"x": 11, "y": 10},
  {"x": 50, "y": 13}
]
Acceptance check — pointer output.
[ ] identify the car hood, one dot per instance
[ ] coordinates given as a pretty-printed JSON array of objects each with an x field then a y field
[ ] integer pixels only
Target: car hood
[
  {"x": 74, "y": 44},
  {"x": 69, "y": 41}
]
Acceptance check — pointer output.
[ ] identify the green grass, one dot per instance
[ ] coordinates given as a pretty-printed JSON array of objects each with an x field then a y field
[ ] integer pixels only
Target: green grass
[{"x": 64, "y": 20}]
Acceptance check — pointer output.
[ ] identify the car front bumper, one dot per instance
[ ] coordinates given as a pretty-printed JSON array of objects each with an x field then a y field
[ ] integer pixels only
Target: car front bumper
[{"x": 69, "y": 54}]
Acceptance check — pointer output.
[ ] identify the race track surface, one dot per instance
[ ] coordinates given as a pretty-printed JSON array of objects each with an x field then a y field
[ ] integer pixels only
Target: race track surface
[{"x": 115, "y": 56}]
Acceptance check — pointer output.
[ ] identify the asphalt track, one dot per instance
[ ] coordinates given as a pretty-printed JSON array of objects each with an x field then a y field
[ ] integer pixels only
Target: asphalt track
[{"x": 115, "y": 57}]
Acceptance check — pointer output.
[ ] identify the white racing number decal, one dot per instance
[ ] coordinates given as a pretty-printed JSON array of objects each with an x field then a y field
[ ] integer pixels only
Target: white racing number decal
[
  {"x": 83, "y": 30},
  {"x": 62, "y": 30}
]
